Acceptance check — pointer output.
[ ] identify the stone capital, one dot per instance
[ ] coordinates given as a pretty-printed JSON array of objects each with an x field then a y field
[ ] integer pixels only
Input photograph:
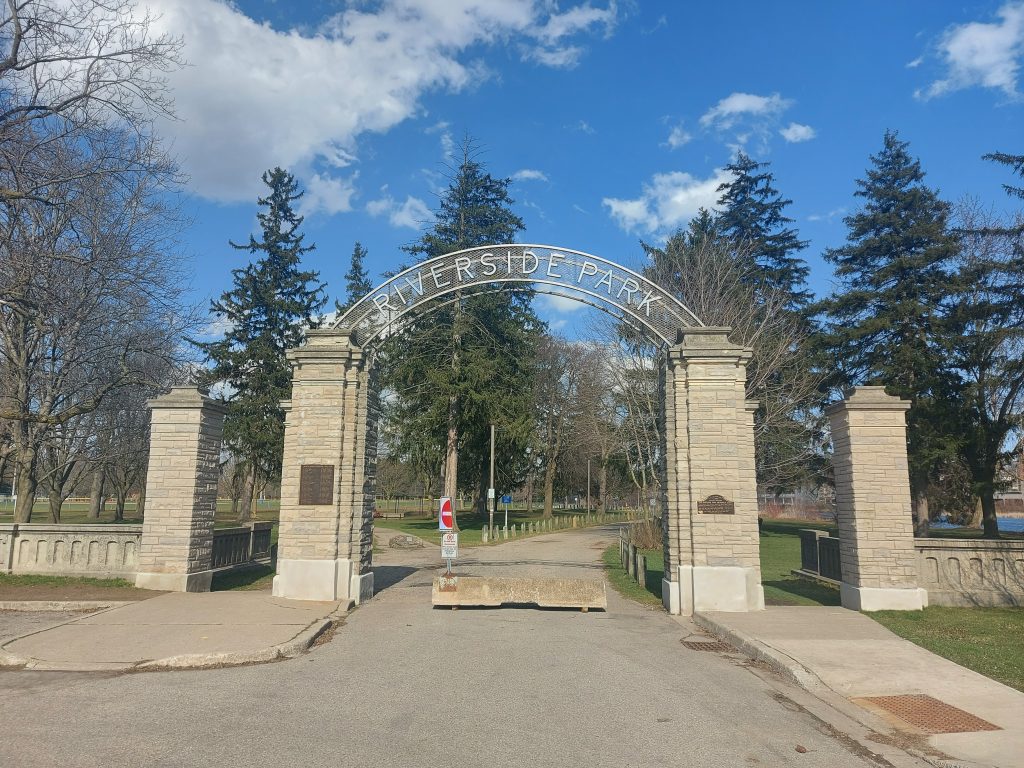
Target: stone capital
[
  {"x": 187, "y": 398},
  {"x": 867, "y": 399}
]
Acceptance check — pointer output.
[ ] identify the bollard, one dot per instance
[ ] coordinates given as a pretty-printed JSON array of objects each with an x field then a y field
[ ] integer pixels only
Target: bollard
[{"x": 641, "y": 571}]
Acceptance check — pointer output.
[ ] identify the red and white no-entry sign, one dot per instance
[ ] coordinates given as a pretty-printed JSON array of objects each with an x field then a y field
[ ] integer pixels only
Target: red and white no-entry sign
[{"x": 445, "y": 519}]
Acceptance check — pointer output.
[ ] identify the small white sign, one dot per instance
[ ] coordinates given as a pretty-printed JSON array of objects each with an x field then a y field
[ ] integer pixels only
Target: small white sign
[
  {"x": 490, "y": 493},
  {"x": 449, "y": 546}
]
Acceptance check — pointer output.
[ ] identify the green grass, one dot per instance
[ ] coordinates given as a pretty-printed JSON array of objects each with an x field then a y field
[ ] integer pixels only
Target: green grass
[
  {"x": 987, "y": 640},
  {"x": 623, "y": 583},
  {"x": 258, "y": 576},
  {"x": 37, "y": 580},
  {"x": 780, "y": 554},
  {"x": 77, "y": 513}
]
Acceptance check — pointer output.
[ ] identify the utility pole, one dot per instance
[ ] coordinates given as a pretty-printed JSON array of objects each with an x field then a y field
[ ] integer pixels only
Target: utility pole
[
  {"x": 492, "y": 500},
  {"x": 588, "y": 488}
]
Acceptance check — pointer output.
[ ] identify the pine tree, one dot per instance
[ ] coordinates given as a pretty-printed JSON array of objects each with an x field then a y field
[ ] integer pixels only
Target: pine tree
[
  {"x": 467, "y": 364},
  {"x": 357, "y": 280},
  {"x": 267, "y": 311},
  {"x": 885, "y": 324},
  {"x": 751, "y": 213}
]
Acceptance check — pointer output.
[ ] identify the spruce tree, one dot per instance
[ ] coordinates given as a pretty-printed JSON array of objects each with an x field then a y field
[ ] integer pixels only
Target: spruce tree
[
  {"x": 357, "y": 280},
  {"x": 267, "y": 311},
  {"x": 751, "y": 212},
  {"x": 884, "y": 326},
  {"x": 468, "y": 363}
]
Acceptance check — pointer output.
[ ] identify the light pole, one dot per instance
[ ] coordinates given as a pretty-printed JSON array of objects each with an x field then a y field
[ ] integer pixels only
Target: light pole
[
  {"x": 588, "y": 488},
  {"x": 492, "y": 497}
]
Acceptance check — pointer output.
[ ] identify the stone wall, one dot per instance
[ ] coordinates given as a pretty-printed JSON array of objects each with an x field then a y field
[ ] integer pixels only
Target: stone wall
[
  {"x": 876, "y": 538},
  {"x": 712, "y": 548},
  {"x": 95, "y": 551},
  {"x": 324, "y": 543},
  {"x": 971, "y": 572},
  {"x": 181, "y": 491}
]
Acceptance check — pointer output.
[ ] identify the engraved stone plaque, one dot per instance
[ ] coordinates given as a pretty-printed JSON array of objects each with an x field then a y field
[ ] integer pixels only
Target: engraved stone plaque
[
  {"x": 316, "y": 484},
  {"x": 716, "y": 505}
]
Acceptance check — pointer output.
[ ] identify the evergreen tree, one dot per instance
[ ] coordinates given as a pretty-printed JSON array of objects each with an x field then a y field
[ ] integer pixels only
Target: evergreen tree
[
  {"x": 357, "y": 280},
  {"x": 751, "y": 213},
  {"x": 267, "y": 311},
  {"x": 885, "y": 324},
  {"x": 469, "y": 363}
]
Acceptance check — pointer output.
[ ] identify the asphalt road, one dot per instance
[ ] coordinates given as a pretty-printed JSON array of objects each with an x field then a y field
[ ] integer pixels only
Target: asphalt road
[{"x": 401, "y": 684}]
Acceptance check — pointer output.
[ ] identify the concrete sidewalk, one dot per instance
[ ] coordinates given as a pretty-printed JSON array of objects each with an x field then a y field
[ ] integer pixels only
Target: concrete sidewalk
[
  {"x": 843, "y": 656},
  {"x": 175, "y": 630}
]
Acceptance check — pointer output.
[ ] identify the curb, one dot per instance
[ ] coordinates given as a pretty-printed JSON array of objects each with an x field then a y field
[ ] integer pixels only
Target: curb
[
  {"x": 61, "y": 605},
  {"x": 780, "y": 662},
  {"x": 288, "y": 649}
]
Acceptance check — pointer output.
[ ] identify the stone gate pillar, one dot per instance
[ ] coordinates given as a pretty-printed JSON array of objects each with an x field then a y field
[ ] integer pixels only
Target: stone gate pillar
[
  {"x": 181, "y": 492},
  {"x": 330, "y": 442},
  {"x": 712, "y": 549},
  {"x": 876, "y": 534}
]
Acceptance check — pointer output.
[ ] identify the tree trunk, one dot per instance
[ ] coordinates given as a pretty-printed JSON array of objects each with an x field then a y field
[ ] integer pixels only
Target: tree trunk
[
  {"x": 602, "y": 488},
  {"x": 140, "y": 505},
  {"x": 25, "y": 465},
  {"x": 122, "y": 496},
  {"x": 529, "y": 493},
  {"x": 96, "y": 495},
  {"x": 248, "y": 497},
  {"x": 977, "y": 515},
  {"x": 549, "y": 490},
  {"x": 989, "y": 523},
  {"x": 56, "y": 500},
  {"x": 922, "y": 520}
]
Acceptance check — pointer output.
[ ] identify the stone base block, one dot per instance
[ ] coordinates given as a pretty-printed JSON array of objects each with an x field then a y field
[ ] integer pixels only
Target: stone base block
[
  {"x": 361, "y": 587},
  {"x": 321, "y": 580},
  {"x": 732, "y": 589},
  {"x": 882, "y": 599},
  {"x": 175, "y": 582},
  {"x": 670, "y": 596}
]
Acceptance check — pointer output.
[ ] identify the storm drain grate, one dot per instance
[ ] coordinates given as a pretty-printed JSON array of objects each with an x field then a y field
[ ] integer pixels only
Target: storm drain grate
[
  {"x": 708, "y": 645},
  {"x": 930, "y": 715}
]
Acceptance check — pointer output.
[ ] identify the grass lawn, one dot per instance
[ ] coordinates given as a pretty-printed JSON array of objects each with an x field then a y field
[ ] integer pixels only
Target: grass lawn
[
  {"x": 34, "y": 580},
  {"x": 77, "y": 513},
  {"x": 258, "y": 576},
  {"x": 780, "y": 554},
  {"x": 623, "y": 582},
  {"x": 987, "y": 640}
]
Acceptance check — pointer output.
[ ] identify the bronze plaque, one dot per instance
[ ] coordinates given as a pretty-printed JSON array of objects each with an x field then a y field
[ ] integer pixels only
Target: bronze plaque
[
  {"x": 316, "y": 484},
  {"x": 716, "y": 505}
]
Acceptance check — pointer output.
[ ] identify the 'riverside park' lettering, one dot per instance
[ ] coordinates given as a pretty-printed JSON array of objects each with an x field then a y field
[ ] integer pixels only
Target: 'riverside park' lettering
[{"x": 596, "y": 277}]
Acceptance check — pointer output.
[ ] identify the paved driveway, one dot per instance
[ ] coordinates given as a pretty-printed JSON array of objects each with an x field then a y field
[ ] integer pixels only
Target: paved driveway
[{"x": 401, "y": 684}]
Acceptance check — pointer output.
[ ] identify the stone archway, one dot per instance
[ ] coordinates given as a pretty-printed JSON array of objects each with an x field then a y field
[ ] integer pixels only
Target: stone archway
[{"x": 709, "y": 490}]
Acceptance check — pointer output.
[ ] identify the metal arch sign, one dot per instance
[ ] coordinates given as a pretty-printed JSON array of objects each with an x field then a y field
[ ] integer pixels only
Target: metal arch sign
[{"x": 594, "y": 279}]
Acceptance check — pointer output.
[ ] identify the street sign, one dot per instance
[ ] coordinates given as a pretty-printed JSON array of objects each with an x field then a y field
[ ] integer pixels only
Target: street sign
[
  {"x": 490, "y": 494},
  {"x": 449, "y": 546},
  {"x": 445, "y": 518},
  {"x": 506, "y": 499}
]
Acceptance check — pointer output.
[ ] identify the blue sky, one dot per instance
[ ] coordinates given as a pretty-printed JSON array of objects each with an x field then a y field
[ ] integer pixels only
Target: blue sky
[{"x": 613, "y": 118}]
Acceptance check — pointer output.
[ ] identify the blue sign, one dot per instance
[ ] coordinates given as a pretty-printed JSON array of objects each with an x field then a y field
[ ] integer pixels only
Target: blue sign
[{"x": 506, "y": 499}]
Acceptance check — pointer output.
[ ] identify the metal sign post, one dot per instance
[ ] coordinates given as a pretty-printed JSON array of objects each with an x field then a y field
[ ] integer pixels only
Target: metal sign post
[{"x": 506, "y": 500}]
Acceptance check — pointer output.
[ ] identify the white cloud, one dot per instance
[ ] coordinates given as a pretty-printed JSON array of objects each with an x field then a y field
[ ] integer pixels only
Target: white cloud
[
  {"x": 726, "y": 112},
  {"x": 915, "y": 63},
  {"x": 561, "y": 304},
  {"x": 254, "y": 96},
  {"x": 795, "y": 133},
  {"x": 529, "y": 174},
  {"x": 667, "y": 202},
  {"x": 412, "y": 213},
  {"x": 982, "y": 54},
  {"x": 583, "y": 127},
  {"x": 328, "y": 194},
  {"x": 827, "y": 216},
  {"x": 550, "y": 52},
  {"x": 677, "y": 137}
]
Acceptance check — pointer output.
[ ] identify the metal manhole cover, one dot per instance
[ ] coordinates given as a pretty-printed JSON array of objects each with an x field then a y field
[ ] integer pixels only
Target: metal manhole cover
[
  {"x": 708, "y": 645},
  {"x": 929, "y": 715}
]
